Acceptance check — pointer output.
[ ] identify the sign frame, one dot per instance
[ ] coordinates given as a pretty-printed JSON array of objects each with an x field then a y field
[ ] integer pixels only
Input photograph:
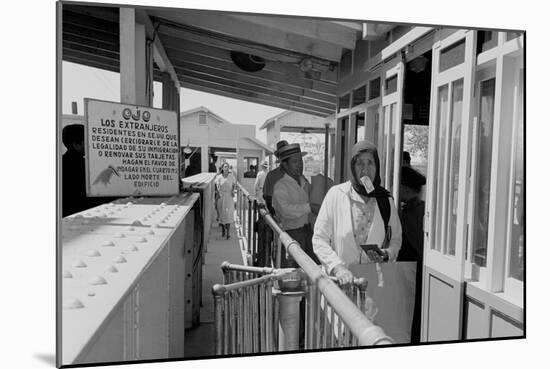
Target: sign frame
[{"x": 122, "y": 106}]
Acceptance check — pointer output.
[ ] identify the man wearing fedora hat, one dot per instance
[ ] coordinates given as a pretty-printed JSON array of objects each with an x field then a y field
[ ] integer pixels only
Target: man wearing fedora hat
[
  {"x": 272, "y": 177},
  {"x": 291, "y": 201}
]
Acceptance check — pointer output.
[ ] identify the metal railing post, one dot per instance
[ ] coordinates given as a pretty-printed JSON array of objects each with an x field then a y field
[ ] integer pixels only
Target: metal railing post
[
  {"x": 289, "y": 320},
  {"x": 219, "y": 291},
  {"x": 310, "y": 314},
  {"x": 249, "y": 227},
  {"x": 269, "y": 317},
  {"x": 254, "y": 226}
]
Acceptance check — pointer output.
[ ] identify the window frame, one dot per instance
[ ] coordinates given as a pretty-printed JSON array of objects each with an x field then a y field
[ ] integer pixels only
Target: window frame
[{"x": 497, "y": 63}]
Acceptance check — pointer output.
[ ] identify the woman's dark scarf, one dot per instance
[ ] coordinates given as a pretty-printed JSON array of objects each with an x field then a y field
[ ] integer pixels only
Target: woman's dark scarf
[{"x": 358, "y": 148}]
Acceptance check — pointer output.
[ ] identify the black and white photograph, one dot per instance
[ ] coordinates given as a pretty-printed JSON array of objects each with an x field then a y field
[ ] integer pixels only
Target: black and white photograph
[{"x": 241, "y": 185}]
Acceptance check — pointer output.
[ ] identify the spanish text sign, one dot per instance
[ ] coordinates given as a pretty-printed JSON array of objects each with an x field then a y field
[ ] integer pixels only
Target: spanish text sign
[{"x": 130, "y": 150}]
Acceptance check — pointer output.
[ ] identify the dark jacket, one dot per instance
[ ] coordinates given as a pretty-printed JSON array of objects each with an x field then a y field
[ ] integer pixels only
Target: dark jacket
[{"x": 412, "y": 248}]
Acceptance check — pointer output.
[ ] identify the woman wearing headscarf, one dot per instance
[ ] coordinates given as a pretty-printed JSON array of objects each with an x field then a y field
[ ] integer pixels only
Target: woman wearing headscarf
[{"x": 355, "y": 213}]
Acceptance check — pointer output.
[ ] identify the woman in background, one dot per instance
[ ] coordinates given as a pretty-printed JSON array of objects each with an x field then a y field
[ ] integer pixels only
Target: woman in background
[{"x": 225, "y": 189}]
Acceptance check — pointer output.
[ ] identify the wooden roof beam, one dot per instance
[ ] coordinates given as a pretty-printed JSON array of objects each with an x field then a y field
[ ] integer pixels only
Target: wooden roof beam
[
  {"x": 294, "y": 84},
  {"x": 205, "y": 87},
  {"x": 271, "y": 84},
  {"x": 222, "y": 53},
  {"x": 159, "y": 54},
  {"x": 188, "y": 73},
  {"x": 254, "y": 33},
  {"x": 315, "y": 29}
]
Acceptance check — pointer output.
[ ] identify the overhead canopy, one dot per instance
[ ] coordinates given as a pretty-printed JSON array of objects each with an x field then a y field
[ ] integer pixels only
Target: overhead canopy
[{"x": 285, "y": 62}]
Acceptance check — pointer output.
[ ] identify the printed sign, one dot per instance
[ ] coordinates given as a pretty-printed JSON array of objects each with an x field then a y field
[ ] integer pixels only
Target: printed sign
[{"x": 130, "y": 150}]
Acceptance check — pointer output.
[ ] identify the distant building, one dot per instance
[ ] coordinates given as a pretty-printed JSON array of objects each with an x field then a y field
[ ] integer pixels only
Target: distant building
[
  {"x": 308, "y": 131},
  {"x": 209, "y": 135}
]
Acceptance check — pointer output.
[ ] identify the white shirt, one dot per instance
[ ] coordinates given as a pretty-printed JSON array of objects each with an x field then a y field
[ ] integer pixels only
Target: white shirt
[
  {"x": 291, "y": 202},
  {"x": 333, "y": 240},
  {"x": 259, "y": 186}
]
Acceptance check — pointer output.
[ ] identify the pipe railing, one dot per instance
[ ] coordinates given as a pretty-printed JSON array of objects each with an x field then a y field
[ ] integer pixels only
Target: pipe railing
[
  {"x": 342, "y": 316},
  {"x": 246, "y": 309}
]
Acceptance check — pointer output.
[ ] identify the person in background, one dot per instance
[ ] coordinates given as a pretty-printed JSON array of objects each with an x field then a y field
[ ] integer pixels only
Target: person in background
[
  {"x": 251, "y": 173},
  {"x": 354, "y": 213},
  {"x": 212, "y": 164},
  {"x": 272, "y": 177},
  {"x": 406, "y": 159},
  {"x": 320, "y": 184},
  {"x": 291, "y": 202},
  {"x": 259, "y": 183},
  {"x": 225, "y": 189},
  {"x": 73, "y": 171},
  {"x": 412, "y": 215}
]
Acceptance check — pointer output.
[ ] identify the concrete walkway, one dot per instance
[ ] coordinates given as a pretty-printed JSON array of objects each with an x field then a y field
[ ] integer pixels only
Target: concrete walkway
[{"x": 199, "y": 341}]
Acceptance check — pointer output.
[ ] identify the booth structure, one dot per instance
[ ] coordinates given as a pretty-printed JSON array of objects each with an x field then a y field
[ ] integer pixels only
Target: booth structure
[
  {"x": 127, "y": 278},
  {"x": 368, "y": 80}
]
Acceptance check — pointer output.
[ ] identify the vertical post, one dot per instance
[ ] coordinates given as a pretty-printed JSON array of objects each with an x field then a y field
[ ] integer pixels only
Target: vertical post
[
  {"x": 249, "y": 227},
  {"x": 232, "y": 323},
  {"x": 269, "y": 317},
  {"x": 218, "y": 309},
  {"x": 275, "y": 326},
  {"x": 133, "y": 69},
  {"x": 58, "y": 218},
  {"x": 254, "y": 224},
  {"x": 279, "y": 247},
  {"x": 228, "y": 311},
  {"x": 310, "y": 315},
  {"x": 326, "y": 155},
  {"x": 263, "y": 321},
  {"x": 289, "y": 320}
]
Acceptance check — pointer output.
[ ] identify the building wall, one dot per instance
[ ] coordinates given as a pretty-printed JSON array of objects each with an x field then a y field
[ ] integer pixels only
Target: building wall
[{"x": 213, "y": 133}]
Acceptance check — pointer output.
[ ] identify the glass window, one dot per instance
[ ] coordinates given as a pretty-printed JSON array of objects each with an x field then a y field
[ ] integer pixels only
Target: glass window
[
  {"x": 486, "y": 40},
  {"x": 455, "y": 127},
  {"x": 359, "y": 95},
  {"x": 389, "y": 137},
  {"x": 517, "y": 247},
  {"x": 512, "y": 35},
  {"x": 344, "y": 151},
  {"x": 373, "y": 118},
  {"x": 415, "y": 142},
  {"x": 374, "y": 88},
  {"x": 360, "y": 127},
  {"x": 391, "y": 85},
  {"x": 202, "y": 118},
  {"x": 439, "y": 163},
  {"x": 452, "y": 55},
  {"x": 483, "y": 175},
  {"x": 382, "y": 146},
  {"x": 250, "y": 167},
  {"x": 343, "y": 103}
]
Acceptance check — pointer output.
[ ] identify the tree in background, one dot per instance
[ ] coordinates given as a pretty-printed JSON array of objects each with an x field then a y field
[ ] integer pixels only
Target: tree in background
[{"x": 416, "y": 143}]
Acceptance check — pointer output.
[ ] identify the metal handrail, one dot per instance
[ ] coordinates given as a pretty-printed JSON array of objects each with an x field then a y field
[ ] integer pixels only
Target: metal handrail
[{"x": 367, "y": 333}]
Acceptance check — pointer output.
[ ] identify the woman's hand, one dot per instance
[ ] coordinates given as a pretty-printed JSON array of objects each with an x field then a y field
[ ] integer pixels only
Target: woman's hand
[{"x": 342, "y": 274}]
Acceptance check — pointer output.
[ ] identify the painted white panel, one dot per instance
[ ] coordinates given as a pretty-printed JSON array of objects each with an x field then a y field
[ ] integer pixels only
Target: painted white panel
[
  {"x": 109, "y": 346},
  {"x": 476, "y": 324},
  {"x": 442, "y": 311},
  {"x": 153, "y": 310},
  {"x": 502, "y": 327}
]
